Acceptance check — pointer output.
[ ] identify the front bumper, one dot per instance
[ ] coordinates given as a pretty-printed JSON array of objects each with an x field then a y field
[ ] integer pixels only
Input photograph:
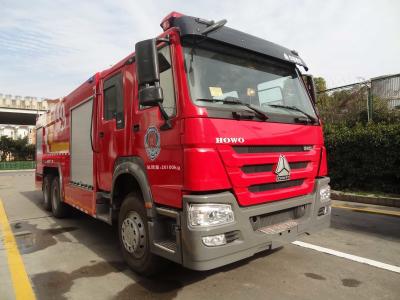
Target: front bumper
[{"x": 197, "y": 256}]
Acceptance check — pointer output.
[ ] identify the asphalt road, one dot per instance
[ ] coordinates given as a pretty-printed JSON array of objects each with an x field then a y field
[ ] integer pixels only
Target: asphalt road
[{"x": 78, "y": 258}]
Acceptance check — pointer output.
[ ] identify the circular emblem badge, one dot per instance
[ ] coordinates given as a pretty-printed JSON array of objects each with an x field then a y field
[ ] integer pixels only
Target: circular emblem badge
[{"x": 152, "y": 142}]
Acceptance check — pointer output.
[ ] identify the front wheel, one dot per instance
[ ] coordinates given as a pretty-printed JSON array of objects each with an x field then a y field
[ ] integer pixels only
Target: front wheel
[{"x": 134, "y": 237}]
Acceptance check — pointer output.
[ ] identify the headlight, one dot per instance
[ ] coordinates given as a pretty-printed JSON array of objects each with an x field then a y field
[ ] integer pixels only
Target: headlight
[
  {"x": 325, "y": 193},
  {"x": 210, "y": 214}
]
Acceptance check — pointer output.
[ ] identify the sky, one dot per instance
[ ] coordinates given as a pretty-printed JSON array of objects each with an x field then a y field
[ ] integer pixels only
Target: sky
[{"x": 49, "y": 47}]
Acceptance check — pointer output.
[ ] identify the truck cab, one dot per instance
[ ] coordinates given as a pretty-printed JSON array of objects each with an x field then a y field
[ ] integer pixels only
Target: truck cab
[{"x": 204, "y": 145}]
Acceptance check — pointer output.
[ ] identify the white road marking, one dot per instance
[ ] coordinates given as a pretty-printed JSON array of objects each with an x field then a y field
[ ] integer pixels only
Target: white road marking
[{"x": 356, "y": 258}]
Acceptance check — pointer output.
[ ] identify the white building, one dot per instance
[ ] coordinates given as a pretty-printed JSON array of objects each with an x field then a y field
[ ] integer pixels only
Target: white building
[
  {"x": 10, "y": 101},
  {"x": 18, "y": 132},
  {"x": 22, "y": 103}
]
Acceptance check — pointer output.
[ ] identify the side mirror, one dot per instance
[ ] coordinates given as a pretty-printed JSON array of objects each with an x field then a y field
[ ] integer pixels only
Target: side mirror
[
  {"x": 310, "y": 85},
  {"x": 148, "y": 73}
]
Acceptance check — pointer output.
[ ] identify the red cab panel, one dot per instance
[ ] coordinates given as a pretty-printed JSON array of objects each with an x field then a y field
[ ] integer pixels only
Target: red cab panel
[{"x": 250, "y": 156}]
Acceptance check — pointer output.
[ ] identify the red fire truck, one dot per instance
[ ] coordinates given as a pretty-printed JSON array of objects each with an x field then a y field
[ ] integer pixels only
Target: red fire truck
[{"x": 204, "y": 146}]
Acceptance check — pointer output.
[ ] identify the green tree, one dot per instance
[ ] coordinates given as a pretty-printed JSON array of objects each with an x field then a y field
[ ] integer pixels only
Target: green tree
[
  {"x": 342, "y": 106},
  {"x": 18, "y": 149},
  {"x": 320, "y": 84},
  {"x": 6, "y": 147}
]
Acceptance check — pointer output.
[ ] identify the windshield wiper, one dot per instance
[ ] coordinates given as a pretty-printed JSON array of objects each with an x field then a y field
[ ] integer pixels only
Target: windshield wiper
[
  {"x": 295, "y": 108},
  {"x": 233, "y": 100}
]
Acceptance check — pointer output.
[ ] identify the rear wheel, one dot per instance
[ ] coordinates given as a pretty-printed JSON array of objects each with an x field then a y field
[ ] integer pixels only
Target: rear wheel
[
  {"x": 47, "y": 192},
  {"x": 59, "y": 208},
  {"x": 134, "y": 237}
]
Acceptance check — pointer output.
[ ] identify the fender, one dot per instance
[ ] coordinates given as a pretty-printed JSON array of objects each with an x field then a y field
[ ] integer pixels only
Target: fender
[{"x": 134, "y": 166}]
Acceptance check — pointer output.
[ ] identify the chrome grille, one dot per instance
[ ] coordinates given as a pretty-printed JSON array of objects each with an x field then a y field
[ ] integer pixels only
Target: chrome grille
[{"x": 251, "y": 169}]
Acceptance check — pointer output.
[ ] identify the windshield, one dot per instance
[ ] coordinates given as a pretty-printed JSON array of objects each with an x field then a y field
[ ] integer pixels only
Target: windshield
[{"x": 253, "y": 80}]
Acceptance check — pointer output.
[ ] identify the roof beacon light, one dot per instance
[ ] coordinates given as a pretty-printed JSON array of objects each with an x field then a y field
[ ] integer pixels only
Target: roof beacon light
[{"x": 167, "y": 21}]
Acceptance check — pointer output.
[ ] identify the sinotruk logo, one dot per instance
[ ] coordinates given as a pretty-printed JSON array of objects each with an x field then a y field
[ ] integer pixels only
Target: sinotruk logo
[{"x": 282, "y": 170}]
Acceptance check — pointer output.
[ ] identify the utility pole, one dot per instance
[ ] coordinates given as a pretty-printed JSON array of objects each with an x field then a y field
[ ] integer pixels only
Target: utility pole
[{"x": 370, "y": 103}]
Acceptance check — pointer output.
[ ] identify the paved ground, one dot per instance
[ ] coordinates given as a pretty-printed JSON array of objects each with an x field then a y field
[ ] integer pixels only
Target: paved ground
[{"x": 78, "y": 258}]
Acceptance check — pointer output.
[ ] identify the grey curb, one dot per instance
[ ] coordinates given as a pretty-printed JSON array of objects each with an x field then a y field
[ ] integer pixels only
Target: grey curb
[
  {"x": 17, "y": 170},
  {"x": 366, "y": 199}
]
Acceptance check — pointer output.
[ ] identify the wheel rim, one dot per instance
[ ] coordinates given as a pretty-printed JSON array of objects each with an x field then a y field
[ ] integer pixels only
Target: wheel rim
[{"x": 133, "y": 234}]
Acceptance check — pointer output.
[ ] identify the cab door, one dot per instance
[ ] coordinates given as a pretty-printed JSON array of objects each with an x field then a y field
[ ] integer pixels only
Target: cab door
[
  {"x": 111, "y": 128},
  {"x": 161, "y": 147}
]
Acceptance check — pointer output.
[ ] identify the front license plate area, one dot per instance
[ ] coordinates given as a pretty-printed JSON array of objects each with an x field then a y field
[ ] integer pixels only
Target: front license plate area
[{"x": 278, "y": 228}]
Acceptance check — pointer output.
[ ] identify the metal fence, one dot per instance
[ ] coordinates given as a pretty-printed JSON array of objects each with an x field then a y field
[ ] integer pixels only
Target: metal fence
[
  {"x": 17, "y": 165},
  {"x": 377, "y": 100},
  {"x": 387, "y": 88}
]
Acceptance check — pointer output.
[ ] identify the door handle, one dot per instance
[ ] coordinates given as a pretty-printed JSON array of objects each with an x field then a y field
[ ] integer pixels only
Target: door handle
[
  {"x": 136, "y": 128},
  {"x": 101, "y": 134}
]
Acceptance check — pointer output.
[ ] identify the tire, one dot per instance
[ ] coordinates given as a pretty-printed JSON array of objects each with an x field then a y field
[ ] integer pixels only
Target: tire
[
  {"x": 47, "y": 192},
  {"x": 59, "y": 208},
  {"x": 134, "y": 237}
]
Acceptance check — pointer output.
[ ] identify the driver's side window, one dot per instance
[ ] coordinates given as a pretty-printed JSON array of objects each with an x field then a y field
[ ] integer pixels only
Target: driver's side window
[{"x": 167, "y": 80}]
